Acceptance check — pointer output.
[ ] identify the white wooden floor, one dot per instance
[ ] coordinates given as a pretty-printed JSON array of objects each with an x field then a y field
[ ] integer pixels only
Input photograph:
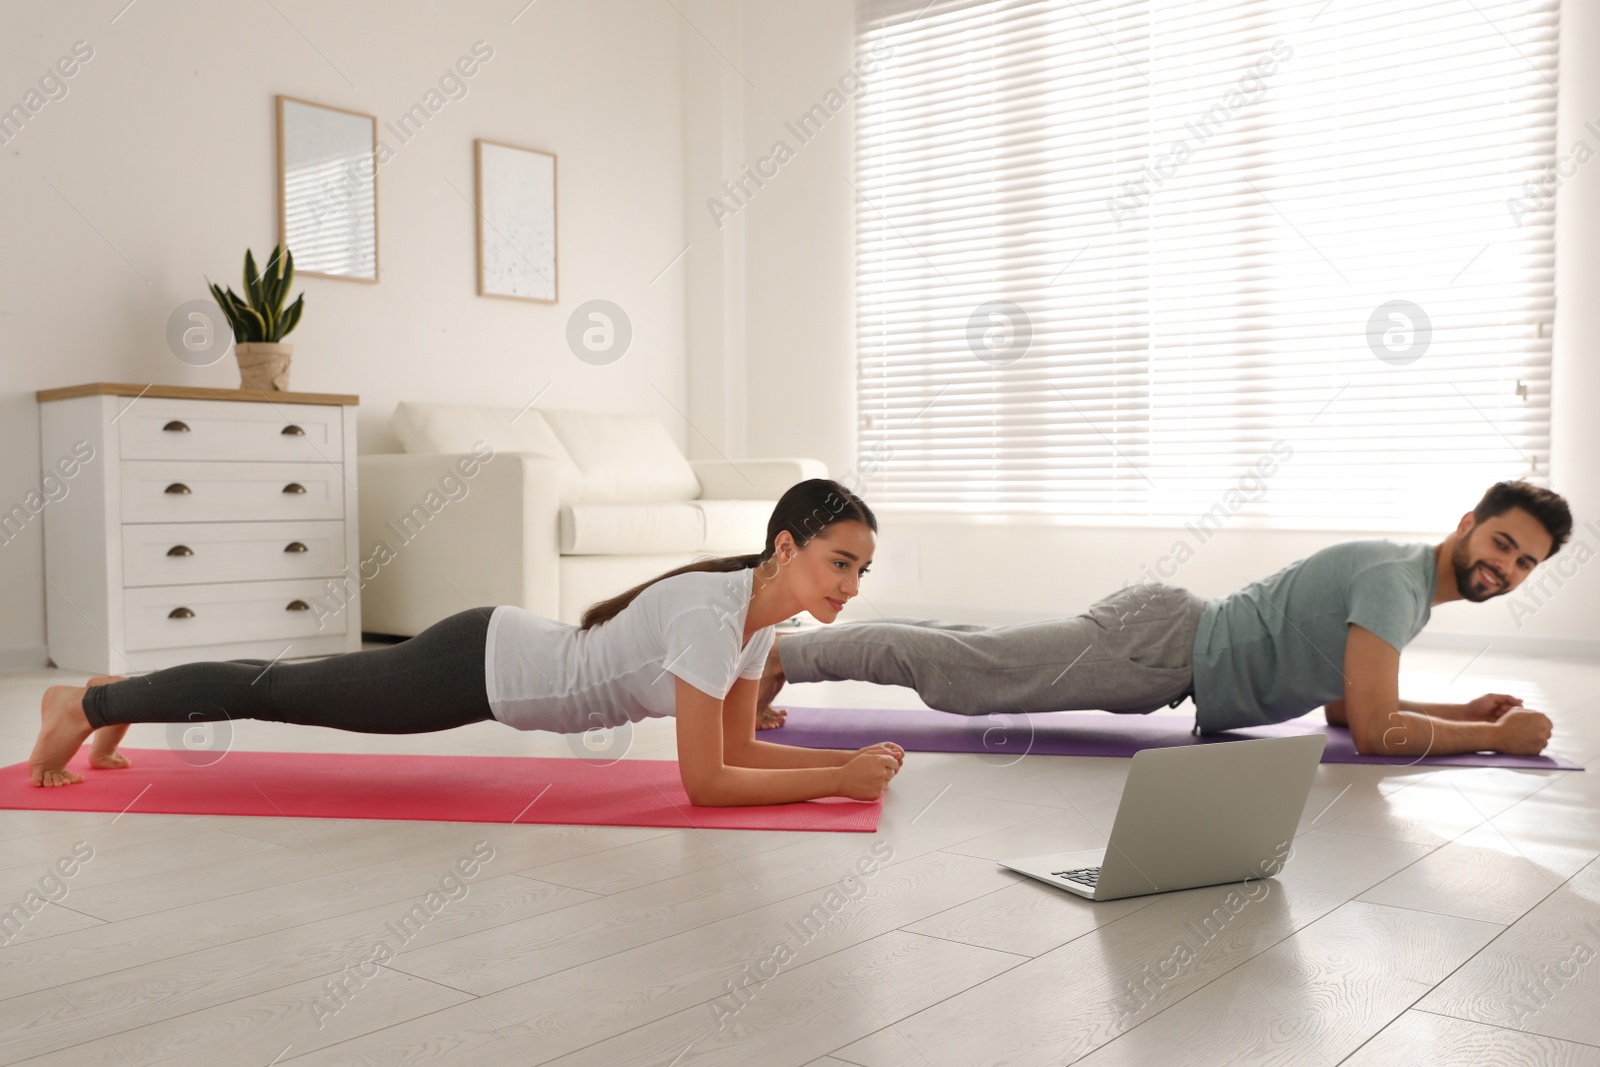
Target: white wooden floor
[{"x": 1427, "y": 917}]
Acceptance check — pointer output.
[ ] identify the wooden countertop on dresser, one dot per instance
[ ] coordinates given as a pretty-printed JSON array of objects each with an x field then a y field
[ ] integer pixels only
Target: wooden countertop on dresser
[{"x": 189, "y": 392}]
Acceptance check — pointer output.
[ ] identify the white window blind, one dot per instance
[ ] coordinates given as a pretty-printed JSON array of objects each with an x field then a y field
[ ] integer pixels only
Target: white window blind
[{"x": 1112, "y": 254}]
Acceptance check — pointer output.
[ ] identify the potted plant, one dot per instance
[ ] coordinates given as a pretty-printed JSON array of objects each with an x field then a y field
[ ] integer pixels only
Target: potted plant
[{"x": 260, "y": 324}]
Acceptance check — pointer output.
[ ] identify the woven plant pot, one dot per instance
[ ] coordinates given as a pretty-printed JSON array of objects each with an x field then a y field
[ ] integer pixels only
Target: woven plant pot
[{"x": 263, "y": 365}]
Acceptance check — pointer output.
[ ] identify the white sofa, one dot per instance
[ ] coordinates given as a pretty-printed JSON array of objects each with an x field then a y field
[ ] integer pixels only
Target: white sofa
[{"x": 547, "y": 509}]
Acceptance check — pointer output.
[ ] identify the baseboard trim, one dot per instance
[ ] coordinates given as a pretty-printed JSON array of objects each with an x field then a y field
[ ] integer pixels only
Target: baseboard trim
[
  {"x": 24, "y": 658},
  {"x": 1574, "y": 648}
]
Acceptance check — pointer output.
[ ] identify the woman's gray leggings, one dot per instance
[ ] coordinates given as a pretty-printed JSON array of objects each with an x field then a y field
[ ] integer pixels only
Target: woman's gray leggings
[
  {"x": 433, "y": 681},
  {"x": 1131, "y": 651}
]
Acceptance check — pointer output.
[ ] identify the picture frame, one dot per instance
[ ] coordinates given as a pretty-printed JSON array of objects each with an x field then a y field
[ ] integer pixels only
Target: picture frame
[
  {"x": 328, "y": 189},
  {"x": 516, "y": 222}
]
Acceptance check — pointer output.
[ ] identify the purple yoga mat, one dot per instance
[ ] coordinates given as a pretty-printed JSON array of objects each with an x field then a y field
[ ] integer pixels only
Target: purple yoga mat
[{"x": 1080, "y": 733}]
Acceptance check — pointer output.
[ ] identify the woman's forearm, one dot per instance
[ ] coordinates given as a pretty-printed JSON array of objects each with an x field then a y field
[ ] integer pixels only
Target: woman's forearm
[
  {"x": 738, "y": 786},
  {"x": 769, "y": 755}
]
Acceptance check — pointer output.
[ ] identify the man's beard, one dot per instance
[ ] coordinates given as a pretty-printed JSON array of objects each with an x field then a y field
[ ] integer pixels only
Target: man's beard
[{"x": 1466, "y": 571}]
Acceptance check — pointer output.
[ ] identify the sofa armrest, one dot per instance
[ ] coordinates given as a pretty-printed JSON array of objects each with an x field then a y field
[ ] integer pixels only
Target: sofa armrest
[
  {"x": 443, "y": 533},
  {"x": 753, "y": 479}
]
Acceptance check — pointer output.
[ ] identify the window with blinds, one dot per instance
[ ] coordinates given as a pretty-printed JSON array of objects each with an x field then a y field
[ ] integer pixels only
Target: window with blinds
[{"x": 1131, "y": 260}]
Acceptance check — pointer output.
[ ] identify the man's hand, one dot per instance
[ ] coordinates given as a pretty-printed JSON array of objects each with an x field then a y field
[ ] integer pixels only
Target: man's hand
[
  {"x": 886, "y": 748},
  {"x": 1521, "y": 733},
  {"x": 1489, "y": 707}
]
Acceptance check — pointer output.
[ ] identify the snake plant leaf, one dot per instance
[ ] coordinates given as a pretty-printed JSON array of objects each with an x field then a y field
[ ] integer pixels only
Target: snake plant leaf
[
  {"x": 252, "y": 281},
  {"x": 229, "y": 303},
  {"x": 225, "y": 303},
  {"x": 222, "y": 300},
  {"x": 255, "y": 325},
  {"x": 273, "y": 288},
  {"x": 288, "y": 272},
  {"x": 291, "y": 317}
]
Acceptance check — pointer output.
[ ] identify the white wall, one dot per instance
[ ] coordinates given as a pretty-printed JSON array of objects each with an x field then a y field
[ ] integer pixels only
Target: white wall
[
  {"x": 162, "y": 164},
  {"x": 800, "y": 387},
  {"x": 771, "y": 290}
]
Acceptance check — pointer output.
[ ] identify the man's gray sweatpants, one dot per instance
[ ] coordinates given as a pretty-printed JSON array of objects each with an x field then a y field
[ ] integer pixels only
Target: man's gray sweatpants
[{"x": 1131, "y": 651}]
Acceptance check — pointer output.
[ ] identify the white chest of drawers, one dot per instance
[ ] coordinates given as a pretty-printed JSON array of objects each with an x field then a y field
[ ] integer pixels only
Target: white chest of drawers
[{"x": 197, "y": 524}]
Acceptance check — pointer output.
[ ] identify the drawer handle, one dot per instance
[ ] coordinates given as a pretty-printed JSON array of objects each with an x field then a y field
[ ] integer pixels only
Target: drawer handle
[
  {"x": 180, "y": 613},
  {"x": 178, "y": 488},
  {"x": 298, "y": 605},
  {"x": 292, "y": 430},
  {"x": 294, "y": 487},
  {"x": 180, "y": 550},
  {"x": 176, "y": 426},
  {"x": 296, "y": 546}
]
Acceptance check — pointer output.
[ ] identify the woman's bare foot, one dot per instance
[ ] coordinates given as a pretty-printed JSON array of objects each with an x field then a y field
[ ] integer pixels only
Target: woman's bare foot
[
  {"x": 103, "y": 754},
  {"x": 768, "y": 717},
  {"x": 62, "y": 731}
]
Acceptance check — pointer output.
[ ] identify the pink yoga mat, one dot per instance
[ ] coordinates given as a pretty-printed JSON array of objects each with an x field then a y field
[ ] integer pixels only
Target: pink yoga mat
[
  {"x": 1080, "y": 733},
  {"x": 504, "y": 789}
]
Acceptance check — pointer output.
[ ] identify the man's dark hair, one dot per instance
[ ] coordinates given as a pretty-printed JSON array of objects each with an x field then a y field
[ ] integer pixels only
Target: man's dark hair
[{"x": 1546, "y": 506}]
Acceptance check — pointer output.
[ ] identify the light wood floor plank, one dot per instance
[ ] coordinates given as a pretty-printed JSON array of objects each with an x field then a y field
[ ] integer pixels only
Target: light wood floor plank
[
  {"x": 1542, "y": 975},
  {"x": 217, "y": 922},
  {"x": 113, "y": 861},
  {"x": 1483, "y": 874},
  {"x": 1065, "y": 1003},
  {"x": 453, "y": 1035},
  {"x": 887, "y": 1047},
  {"x": 587, "y": 1002},
  {"x": 180, "y": 985},
  {"x": 257, "y": 1029},
  {"x": 1026, "y": 918},
  {"x": 1421, "y": 1039},
  {"x": 1316, "y": 996},
  {"x": 376, "y": 847},
  {"x": 633, "y": 918},
  {"x": 801, "y": 1011}
]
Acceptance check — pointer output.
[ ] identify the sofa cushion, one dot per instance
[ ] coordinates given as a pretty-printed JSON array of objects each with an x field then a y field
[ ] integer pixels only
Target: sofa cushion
[
  {"x": 426, "y": 427},
  {"x": 630, "y": 529},
  {"x": 719, "y": 527},
  {"x": 734, "y": 527},
  {"x": 624, "y": 458}
]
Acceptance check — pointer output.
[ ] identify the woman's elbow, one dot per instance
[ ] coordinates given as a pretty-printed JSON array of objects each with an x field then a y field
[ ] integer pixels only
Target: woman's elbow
[{"x": 705, "y": 792}]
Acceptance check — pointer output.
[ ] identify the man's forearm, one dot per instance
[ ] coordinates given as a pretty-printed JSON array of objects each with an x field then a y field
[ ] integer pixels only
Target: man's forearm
[
  {"x": 1437, "y": 711},
  {"x": 1411, "y": 733}
]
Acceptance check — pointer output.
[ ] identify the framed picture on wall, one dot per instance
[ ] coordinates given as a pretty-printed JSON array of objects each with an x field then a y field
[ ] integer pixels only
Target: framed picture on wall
[
  {"x": 516, "y": 189},
  {"x": 328, "y": 189}
]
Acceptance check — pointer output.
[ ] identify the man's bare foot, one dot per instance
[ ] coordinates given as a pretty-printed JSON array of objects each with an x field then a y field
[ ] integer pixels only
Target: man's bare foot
[
  {"x": 103, "y": 754},
  {"x": 62, "y": 731},
  {"x": 768, "y": 717}
]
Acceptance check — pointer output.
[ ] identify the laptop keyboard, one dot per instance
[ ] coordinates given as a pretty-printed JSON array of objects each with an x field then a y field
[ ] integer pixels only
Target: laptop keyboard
[{"x": 1089, "y": 876}]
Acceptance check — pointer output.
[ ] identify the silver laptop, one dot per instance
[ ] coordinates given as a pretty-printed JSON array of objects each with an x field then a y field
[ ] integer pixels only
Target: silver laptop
[{"x": 1193, "y": 816}]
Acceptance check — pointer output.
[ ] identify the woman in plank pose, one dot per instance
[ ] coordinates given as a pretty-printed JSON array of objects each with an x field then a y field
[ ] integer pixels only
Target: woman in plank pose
[{"x": 690, "y": 644}]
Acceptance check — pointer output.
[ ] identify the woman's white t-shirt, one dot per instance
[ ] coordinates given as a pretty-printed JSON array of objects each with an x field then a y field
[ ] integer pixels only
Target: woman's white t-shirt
[{"x": 547, "y": 675}]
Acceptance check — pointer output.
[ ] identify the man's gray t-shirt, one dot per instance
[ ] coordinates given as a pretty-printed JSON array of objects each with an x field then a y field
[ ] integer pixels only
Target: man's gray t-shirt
[{"x": 1275, "y": 649}]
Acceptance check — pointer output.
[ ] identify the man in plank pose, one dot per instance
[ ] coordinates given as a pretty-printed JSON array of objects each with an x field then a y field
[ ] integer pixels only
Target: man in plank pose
[{"x": 1325, "y": 631}]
